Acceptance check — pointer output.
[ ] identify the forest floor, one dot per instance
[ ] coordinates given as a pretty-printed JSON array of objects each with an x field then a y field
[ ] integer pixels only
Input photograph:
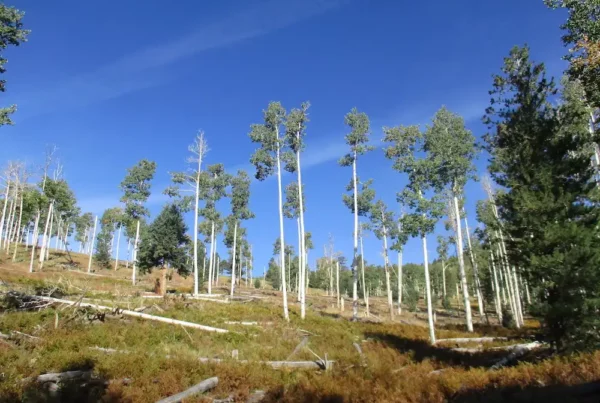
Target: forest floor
[{"x": 374, "y": 359}]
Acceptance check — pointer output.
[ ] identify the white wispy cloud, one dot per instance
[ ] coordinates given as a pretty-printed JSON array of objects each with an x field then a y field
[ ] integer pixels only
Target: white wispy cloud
[{"x": 142, "y": 69}]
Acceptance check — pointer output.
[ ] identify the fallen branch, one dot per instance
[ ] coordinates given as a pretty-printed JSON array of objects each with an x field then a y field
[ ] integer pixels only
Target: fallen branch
[
  {"x": 138, "y": 315},
  {"x": 202, "y": 387},
  {"x": 471, "y": 340},
  {"x": 64, "y": 376},
  {"x": 517, "y": 351},
  {"x": 321, "y": 364},
  {"x": 482, "y": 348}
]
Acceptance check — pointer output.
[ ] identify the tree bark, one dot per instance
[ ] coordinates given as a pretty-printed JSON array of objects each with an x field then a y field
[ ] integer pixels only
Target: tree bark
[
  {"x": 92, "y": 245},
  {"x": 34, "y": 240},
  {"x": 135, "y": 247},
  {"x": 302, "y": 252},
  {"x": 210, "y": 258},
  {"x": 43, "y": 251},
  {"x": 14, "y": 257},
  {"x": 4, "y": 210},
  {"x": 386, "y": 266},
  {"x": 400, "y": 281},
  {"x": 461, "y": 266},
  {"x": 233, "y": 258},
  {"x": 286, "y": 314},
  {"x": 118, "y": 243},
  {"x": 362, "y": 269},
  {"x": 428, "y": 291},
  {"x": 50, "y": 234},
  {"x": 355, "y": 250}
]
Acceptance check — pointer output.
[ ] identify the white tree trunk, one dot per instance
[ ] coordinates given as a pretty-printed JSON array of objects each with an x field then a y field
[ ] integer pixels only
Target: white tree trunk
[
  {"x": 10, "y": 222},
  {"x": 475, "y": 270},
  {"x": 17, "y": 241},
  {"x": 128, "y": 252},
  {"x": 43, "y": 250},
  {"x": 4, "y": 211},
  {"x": 92, "y": 245},
  {"x": 400, "y": 281},
  {"x": 302, "y": 252},
  {"x": 298, "y": 294},
  {"x": 337, "y": 282},
  {"x": 461, "y": 266},
  {"x": 210, "y": 258},
  {"x": 50, "y": 234},
  {"x": 362, "y": 269},
  {"x": 34, "y": 240},
  {"x": 196, "y": 202},
  {"x": 134, "y": 253},
  {"x": 428, "y": 291},
  {"x": 281, "y": 234},
  {"x": 233, "y": 258},
  {"x": 118, "y": 243},
  {"x": 386, "y": 266},
  {"x": 496, "y": 287},
  {"x": 444, "y": 277},
  {"x": 355, "y": 252}
]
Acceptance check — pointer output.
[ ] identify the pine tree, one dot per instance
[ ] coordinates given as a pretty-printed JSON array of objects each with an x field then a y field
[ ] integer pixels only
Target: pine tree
[
  {"x": 540, "y": 154},
  {"x": 357, "y": 140},
  {"x": 164, "y": 244},
  {"x": 267, "y": 159},
  {"x": 12, "y": 34}
]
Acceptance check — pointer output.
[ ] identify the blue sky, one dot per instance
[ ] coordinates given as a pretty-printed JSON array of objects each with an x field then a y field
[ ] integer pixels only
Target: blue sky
[{"x": 112, "y": 82}]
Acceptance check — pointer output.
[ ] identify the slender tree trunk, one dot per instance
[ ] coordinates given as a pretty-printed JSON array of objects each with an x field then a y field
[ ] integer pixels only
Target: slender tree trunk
[
  {"x": 128, "y": 251},
  {"x": 204, "y": 265},
  {"x": 6, "y": 194},
  {"x": 34, "y": 240},
  {"x": 298, "y": 293},
  {"x": 400, "y": 281},
  {"x": 461, "y": 265},
  {"x": 233, "y": 258},
  {"x": 196, "y": 208},
  {"x": 10, "y": 223},
  {"x": 14, "y": 257},
  {"x": 134, "y": 253},
  {"x": 302, "y": 252},
  {"x": 362, "y": 269},
  {"x": 92, "y": 245},
  {"x": 355, "y": 251},
  {"x": 118, "y": 243},
  {"x": 517, "y": 295},
  {"x": 527, "y": 292},
  {"x": 428, "y": 291},
  {"x": 210, "y": 258},
  {"x": 337, "y": 281},
  {"x": 475, "y": 270},
  {"x": 50, "y": 234},
  {"x": 444, "y": 277},
  {"x": 386, "y": 266},
  {"x": 497, "y": 288},
  {"x": 43, "y": 250},
  {"x": 286, "y": 314}
]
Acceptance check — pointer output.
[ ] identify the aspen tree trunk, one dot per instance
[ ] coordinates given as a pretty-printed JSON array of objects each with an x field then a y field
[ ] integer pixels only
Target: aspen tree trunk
[
  {"x": 92, "y": 245},
  {"x": 497, "y": 288},
  {"x": 12, "y": 228},
  {"x": 14, "y": 257},
  {"x": 386, "y": 266},
  {"x": 233, "y": 258},
  {"x": 428, "y": 291},
  {"x": 330, "y": 273},
  {"x": 217, "y": 268},
  {"x": 50, "y": 234},
  {"x": 196, "y": 207},
  {"x": 527, "y": 292},
  {"x": 509, "y": 283},
  {"x": 134, "y": 253},
  {"x": 210, "y": 258},
  {"x": 10, "y": 222},
  {"x": 302, "y": 252},
  {"x": 286, "y": 314},
  {"x": 461, "y": 265},
  {"x": 34, "y": 240},
  {"x": 444, "y": 277},
  {"x": 204, "y": 264},
  {"x": 355, "y": 252},
  {"x": 337, "y": 281},
  {"x": 475, "y": 271},
  {"x": 400, "y": 281},
  {"x": 4, "y": 210},
  {"x": 128, "y": 251},
  {"x": 298, "y": 294},
  {"x": 517, "y": 295},
  {"x": 362, "y": 269},
  {"x": 43, "y": 250},
  {"x": 118, "y": 243}
]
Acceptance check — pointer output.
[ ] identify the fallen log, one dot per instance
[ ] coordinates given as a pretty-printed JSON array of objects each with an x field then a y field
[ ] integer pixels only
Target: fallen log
[
  {"x": 63, "y": 376},
  {"x": 202, "y": 387},
  {"x": 517, "y": 351},
  {"x": 138, "y": 315},
  {"x": 471, "y": 340},
  {"x": 482, "y": 348},
  {"x": 320, "y": 364}
]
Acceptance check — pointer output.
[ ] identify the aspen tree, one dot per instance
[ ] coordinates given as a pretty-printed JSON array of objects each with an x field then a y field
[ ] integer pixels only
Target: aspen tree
[
  {"x": 267, "y": 159},
  {"x": 357, "y": 140}
]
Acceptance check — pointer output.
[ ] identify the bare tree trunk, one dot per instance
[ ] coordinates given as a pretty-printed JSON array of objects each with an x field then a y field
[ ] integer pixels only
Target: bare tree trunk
[
  {"x": 128, "y": 251},
  {"x": 92, "y": 245},
  {"x": 43, "y": 250},
  {"x": 286, "y": 314},
  {"x": 135, "y": 248},
  {"x": 34, "y": 240},
  {"x": 11, "y": 211},
  {"x": 428, "y": 291},
  {"x": 444, "y": 276},
  {"x": 400, "y": 281},
  {"x": 497, "y": 288},
  {"x": 362, "y": 269},
  {"x": 355, "y": 250},
  {"x": 337, "y": 281},
  {"x": 233, "y": 258},
  {"x": 461, "y": 266},
  {"x": 118, "y": 243},
  {"x": 302, "y": 252},
  {"x": 50, "y": 234},
  {"x": 6, "y": 193},
  {"x": 14, "y": 257},
  {"x": 386, "y": 266},
  {"x": 210, "y": 258},
  {"x": 197, "y": 200}
]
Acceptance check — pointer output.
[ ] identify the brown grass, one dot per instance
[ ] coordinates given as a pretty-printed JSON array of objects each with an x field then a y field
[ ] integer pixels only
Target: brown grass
[{"x": 161, "y": 360}]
